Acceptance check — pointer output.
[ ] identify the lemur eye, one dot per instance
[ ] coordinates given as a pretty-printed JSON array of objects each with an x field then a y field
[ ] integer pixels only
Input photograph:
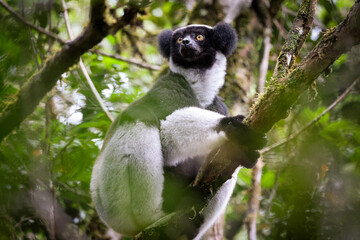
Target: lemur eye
[
  {"x": 199, "y": 37},
  {"x": 179, "y": 40}
]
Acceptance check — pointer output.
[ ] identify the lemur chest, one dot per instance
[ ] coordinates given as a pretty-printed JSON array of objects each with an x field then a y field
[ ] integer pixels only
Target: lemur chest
[
  {"x": 206, "y": 89},
  {"x": 205, "y": 83}
]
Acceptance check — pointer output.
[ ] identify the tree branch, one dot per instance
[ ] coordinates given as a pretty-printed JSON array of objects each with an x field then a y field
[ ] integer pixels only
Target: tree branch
[
  {"x": 255, "y": 190},
  {"x": 317, "y": 22},
  {"x": 23, "y": 20},
  {"x": 131, "y": 61},
  {"x": 296, "y": 38},
  {"x": 83, "y": 68},
  {"x": 291, "y": 48},
  {"x": 62, "y": 41},
  {"x": 39, "y": 84},
  {"x": 270, "y": 108},
  {"x": 266, "y": 19},
  {"x": 281, "y": 94},
  {"x": 315, "y": 120},
  {"x": 265, "y": 60}
]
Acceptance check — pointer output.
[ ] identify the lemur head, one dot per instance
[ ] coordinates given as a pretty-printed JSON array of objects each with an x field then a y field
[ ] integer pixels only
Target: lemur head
[{"x": 195, "y": 46}]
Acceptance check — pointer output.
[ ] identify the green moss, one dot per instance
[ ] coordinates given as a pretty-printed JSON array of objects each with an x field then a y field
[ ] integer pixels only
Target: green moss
[
  {"x": 281, "y": 68},
  {"x": 329, "y": 32}
]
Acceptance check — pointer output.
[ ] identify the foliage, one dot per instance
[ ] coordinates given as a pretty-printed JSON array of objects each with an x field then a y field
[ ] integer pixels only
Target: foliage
[{"x": 310, "y": 185}]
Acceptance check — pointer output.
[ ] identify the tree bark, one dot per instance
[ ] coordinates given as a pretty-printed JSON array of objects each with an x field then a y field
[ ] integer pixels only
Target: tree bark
[
  {"x": 283, "y": 92},
  {"x": 277, "y": 100},
  {"x": 290, "y": 50},
  {"x": 271, "y": 107}
]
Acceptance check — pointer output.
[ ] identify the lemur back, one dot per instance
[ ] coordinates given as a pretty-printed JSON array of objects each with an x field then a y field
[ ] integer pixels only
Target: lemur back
[{"x": 155, "y": 147}]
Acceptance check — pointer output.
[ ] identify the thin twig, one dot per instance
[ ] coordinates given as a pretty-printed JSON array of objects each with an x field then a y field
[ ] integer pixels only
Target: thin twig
[
  {"x": 30, "y": 37},
  {"x": 82, "y": 66},
  {"x": 133, "y": 43},
  {"x": 39, "y": 84},
  {"x": 254, "y": 199},
  {"x": 94, "y": 90},
  {"x": 255, "y": 190},
  {"x": 282, "y": 30},
  {"x": 308, "y": 125},
  {"x": 265, "y": 60},
  {"x": 23, "y": 20},
  {"x": 131, "y": 61},
  {"x": 67, "y": 21},
  {"x": 65, "y": 147},
  {"x": 233, "y": 9},
  {"x": 57, "y": 38},
  {"x": 49, "y": 165},
  {"x": 292, "y": 46},
  {"x": 292, "y": 13}
]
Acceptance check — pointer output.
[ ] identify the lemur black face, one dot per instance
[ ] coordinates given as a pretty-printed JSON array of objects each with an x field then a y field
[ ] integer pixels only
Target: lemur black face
[
  {"x": 195, "y": 46},
  {"x": 191, "y": 47}
]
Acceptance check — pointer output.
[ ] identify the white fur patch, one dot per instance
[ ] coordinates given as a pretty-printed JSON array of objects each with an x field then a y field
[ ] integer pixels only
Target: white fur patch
[
  {"x": 205, "y": 83},
  {"x": 190, "y": 132},
  {"x": 194, "y": 25},
  {"x": 127, "y": 179},
  {"x": 217, "y": 204}
]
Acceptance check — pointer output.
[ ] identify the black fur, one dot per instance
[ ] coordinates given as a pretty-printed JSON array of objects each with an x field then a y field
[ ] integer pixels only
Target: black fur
[
  {"x": 197, "y": 54},
  {"x": 238, "y": 132},
  {"x": 177, "y": 194},
  {"x": 218, "y": 106},
  {"x": 225, "y": 38},
  {"x": 205, "y": 58},
  {"x": 164, "y": 40}
]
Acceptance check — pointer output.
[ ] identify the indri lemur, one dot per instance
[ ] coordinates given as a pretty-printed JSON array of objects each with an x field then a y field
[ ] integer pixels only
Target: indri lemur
[{"x": 170, "y": 131}]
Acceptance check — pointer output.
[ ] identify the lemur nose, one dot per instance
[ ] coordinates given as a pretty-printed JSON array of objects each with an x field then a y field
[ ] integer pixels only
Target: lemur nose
[{"x": 186, "y": 41}]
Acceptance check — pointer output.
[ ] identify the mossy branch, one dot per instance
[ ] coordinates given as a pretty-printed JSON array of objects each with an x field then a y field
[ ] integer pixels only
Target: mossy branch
[
  {"x": 278, "y": 99},
  {"x": 43, "y": 81},
  {"x": 281, "y": 94},
  {"x": 315, "y": 120},
  {"x": 296, "y": 38},
  {"x": 220, "y": 166},
  {"x": 62, "y": 41}
]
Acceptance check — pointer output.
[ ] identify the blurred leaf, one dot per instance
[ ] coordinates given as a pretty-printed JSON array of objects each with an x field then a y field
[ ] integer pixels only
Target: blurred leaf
[{"x": 268, "y": 179}]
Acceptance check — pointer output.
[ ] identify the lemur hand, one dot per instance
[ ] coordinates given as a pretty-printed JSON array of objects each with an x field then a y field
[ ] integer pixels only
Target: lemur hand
[{"x": 240, "y": 133}]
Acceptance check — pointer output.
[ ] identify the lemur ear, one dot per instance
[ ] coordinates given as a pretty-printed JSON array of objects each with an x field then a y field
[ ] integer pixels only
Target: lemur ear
[
  {"x": 225, "y": 38},
  {"x": 164, "y": 42}
]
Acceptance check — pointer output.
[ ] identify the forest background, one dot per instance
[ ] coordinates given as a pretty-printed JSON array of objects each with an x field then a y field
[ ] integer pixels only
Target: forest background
[{"x": 55, "y": 110}]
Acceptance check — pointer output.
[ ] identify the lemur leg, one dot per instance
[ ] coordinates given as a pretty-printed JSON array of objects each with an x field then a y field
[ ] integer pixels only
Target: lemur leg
[
  {"x": 127, "y": 181},
  {"x": 217, "y": 204},
  {"x": 190, "y": 132}
]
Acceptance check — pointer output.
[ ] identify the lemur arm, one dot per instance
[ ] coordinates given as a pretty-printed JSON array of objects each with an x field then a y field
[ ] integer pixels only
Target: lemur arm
[{"x": 190, "y": 132}]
